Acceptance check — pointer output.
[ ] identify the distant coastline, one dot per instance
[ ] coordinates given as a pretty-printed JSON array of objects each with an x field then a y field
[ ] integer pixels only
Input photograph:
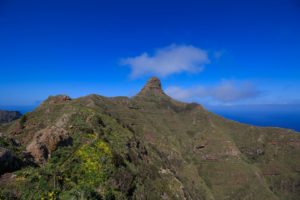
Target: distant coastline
[{"x": 281, "y": 115}]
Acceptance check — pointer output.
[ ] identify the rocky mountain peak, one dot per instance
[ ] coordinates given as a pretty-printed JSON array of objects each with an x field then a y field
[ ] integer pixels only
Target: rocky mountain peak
[{"x": 152, "y": 88}]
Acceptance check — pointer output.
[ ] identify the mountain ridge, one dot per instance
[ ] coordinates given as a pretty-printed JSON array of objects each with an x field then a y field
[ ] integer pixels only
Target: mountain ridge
[{"x": 147, "y": 147}]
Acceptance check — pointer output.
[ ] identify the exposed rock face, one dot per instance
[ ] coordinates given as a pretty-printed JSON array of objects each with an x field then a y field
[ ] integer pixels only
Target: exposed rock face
[
  {"x": 152, "y": 88},
  {"x": 46, "y": 141},
  {"x": 8, "y": 116},
  {"x": 58, "y": 99}
]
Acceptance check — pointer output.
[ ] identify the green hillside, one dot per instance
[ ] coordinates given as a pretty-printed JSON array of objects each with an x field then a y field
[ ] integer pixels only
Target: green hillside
[{"x": 146, "y": 147}]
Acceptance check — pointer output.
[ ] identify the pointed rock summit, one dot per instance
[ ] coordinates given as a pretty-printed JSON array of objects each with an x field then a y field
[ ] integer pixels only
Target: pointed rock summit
[{"x": 152, "y": 88}]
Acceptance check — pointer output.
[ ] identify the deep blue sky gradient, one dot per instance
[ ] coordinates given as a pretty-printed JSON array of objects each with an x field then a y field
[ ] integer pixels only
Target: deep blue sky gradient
[
  {"x": 56, "y": 46},
  {"x": 75, "y": 47}
]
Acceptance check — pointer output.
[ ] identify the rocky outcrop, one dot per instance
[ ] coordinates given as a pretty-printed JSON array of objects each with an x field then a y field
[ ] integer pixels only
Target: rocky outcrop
[
  {"x": 8, "y": 116},
  {"x": 152, "y": 88},
  {"x": 46, "y": 141},
  {"x": 58, "y": 99}
]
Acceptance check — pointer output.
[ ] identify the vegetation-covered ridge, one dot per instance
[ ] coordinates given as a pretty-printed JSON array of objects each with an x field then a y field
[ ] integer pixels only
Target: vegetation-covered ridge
[{"x": 146, "y": 147}]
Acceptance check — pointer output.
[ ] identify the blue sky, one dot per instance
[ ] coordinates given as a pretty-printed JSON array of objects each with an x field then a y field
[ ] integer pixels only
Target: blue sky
[{"x": 214, "y": 52}]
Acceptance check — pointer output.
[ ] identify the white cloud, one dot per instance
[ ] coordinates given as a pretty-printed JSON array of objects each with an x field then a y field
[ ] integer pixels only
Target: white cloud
[
  {"x": 225, "y": 92},
  {"x": 229, "y": 91},
  {"x": 186, "y": 93},
  {"x": 169, "y": 60}
]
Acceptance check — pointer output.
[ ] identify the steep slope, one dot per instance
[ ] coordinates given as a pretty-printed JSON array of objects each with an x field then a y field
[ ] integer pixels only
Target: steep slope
[{"x": 146, "y": 147}]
